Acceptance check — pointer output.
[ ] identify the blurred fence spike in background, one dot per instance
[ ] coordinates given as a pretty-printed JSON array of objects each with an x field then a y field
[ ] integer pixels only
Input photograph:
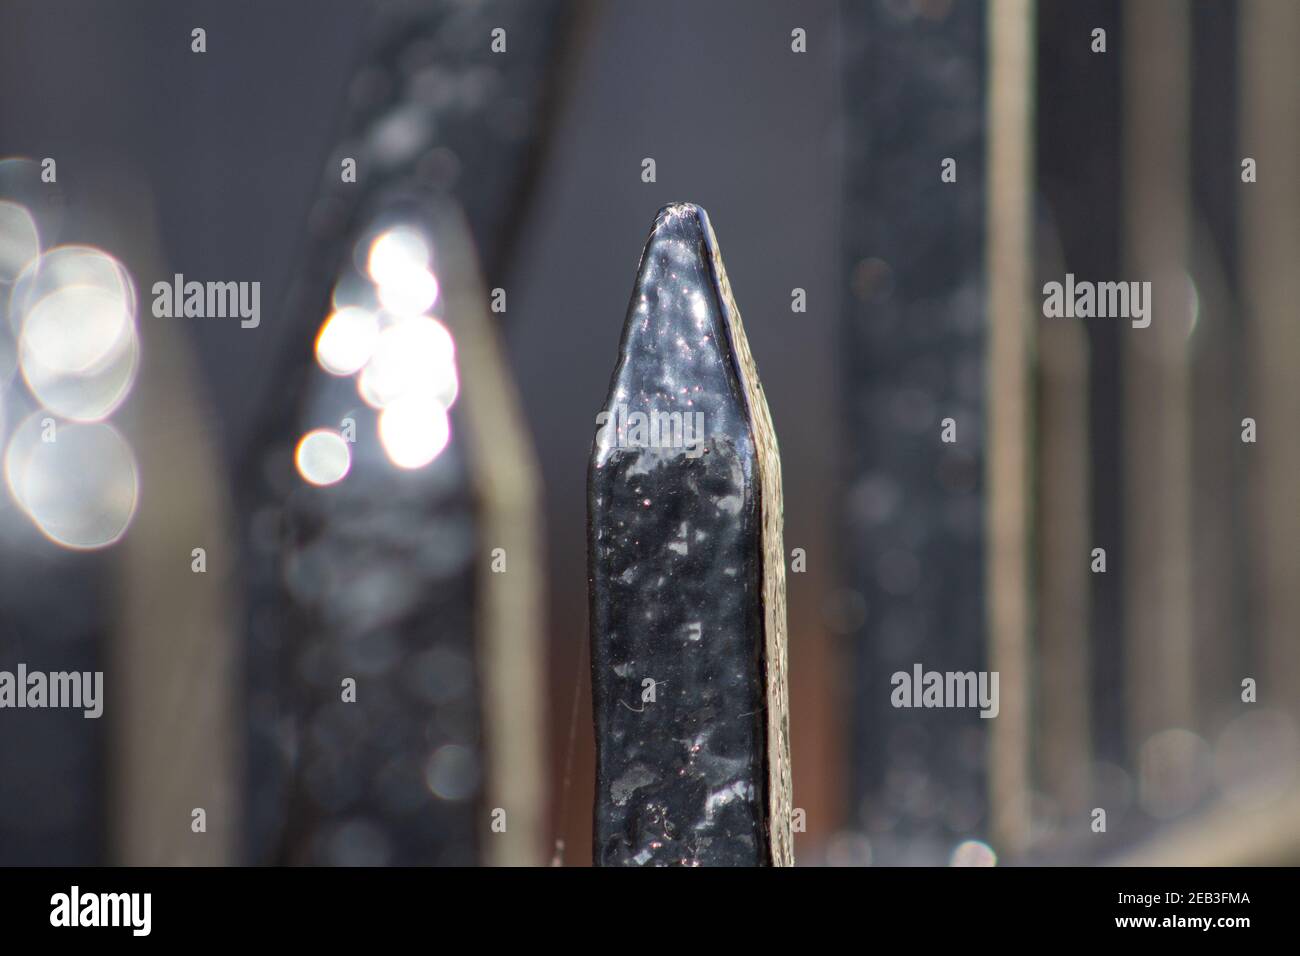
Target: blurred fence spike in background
[
  {"x": 410, "y": 569},
  {"x": 687, "y": 577},
  {"x": 916, "y": 417},
  {"x": 420, "y": 120}
]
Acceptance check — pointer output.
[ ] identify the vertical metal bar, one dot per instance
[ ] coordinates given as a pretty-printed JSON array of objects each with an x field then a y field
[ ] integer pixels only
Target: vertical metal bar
[
  {"x": 1068, "y": 177},
  {"x": 1221, "y": 527},
  {"x": 508, "y": 626},
  {"x": 1078, "y": 165},
  {"x": 1063, "y": 745},
  {"x": 687, "y": 577},
  {"x": 914, "y": 355},
  {"x": 1270, "y": 241},
  {"x": 1157, "y": 563},
  {"x": 1011, "y": 325},
  {"x": 176, "y": 724}
]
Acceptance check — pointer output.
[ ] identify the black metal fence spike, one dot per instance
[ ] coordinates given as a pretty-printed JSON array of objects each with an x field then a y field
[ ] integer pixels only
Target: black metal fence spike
[{"x": 687, "y": 577}]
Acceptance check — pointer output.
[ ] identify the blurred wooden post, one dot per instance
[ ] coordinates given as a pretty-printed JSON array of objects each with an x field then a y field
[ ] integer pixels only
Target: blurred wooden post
[{"x": 687, "y": 578}]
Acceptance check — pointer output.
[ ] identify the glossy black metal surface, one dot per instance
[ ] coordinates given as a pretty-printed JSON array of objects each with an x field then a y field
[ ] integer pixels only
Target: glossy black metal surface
[{"x": 674, "y": 551}]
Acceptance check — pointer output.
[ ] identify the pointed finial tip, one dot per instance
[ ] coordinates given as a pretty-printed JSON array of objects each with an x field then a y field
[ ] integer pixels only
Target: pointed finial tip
[
  {"x": 680, "y": 220},
  {"x": 681, "y": 210}
]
